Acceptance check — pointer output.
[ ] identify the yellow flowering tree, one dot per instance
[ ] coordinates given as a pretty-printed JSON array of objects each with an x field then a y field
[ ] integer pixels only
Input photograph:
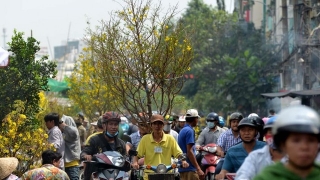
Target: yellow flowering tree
[
  {"x": 23, "y": 138},
  {"x": 88, "y": 91},
  {"x": 142, "y": 55}
]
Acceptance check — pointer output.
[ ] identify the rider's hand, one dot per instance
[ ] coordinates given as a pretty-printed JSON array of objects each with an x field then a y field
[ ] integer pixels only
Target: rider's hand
[
  {"x": 184, "y": 164},
  {"x": 200, "y": 174},
  {"x": 88, "y": 157},
  {"x": 219, "y": 176},
  {"x": 220, "y": 153},
  {"x": 135, "y": 165}
]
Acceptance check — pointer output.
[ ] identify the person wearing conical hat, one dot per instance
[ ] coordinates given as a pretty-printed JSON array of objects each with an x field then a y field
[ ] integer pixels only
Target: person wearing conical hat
[{"x": 7, "y": 166}]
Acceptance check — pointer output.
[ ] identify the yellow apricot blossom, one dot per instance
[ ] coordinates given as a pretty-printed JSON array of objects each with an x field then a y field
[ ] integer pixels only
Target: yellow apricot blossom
[{"x": 20, "y": 140}]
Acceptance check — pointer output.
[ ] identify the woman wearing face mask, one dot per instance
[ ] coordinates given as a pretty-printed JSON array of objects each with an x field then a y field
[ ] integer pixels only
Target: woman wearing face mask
[
  {"x": 259, "y": 159},
  {"x": 167, "y": 127}
]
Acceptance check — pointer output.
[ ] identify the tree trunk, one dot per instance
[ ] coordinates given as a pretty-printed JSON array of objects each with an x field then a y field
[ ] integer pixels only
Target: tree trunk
[{"x": 161, "y": 176}]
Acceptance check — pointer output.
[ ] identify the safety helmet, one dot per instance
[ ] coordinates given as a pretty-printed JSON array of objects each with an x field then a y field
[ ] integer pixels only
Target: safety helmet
[
  {"x": 111, "y": 116},
  {"x": 297, "y": 118},
  {"x": 270, "y": 122},
  {"x": 236, "y": 115},
  {"x": 168, "y": 119},
  {"x": 259, "y": 121},
  {"x": 248, "y": 122},
  {"x": 221, "y": 121},
  {"x": 212, "y": 117},
  {"x": 253, "y": 114}
]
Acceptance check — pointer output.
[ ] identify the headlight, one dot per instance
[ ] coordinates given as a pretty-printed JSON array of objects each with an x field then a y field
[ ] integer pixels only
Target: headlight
[
  {"x": 117, "y": 161},
  {"x": 212, "y": 149},
  {"x": 161, "y": 168}
]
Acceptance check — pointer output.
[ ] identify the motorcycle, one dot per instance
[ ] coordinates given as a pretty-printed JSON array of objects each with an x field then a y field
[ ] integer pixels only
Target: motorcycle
[
  {"x": 209, "y": 160},
  {"x": 109, "y": 165},
  {"x": 161, "y": 168}
]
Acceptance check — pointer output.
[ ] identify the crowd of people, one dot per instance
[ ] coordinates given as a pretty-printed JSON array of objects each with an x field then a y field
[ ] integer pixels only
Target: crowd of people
[{"x": 281, "y": 146}]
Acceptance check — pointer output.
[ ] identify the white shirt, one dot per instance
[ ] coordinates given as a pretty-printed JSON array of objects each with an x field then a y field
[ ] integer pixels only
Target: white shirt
[{"x": 174, "y": 134}]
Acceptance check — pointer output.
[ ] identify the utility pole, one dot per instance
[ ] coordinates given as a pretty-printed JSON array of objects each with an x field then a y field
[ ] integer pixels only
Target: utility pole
[
  {"x": 285, "y": 48},
  {"x": 4, "y": 38}
]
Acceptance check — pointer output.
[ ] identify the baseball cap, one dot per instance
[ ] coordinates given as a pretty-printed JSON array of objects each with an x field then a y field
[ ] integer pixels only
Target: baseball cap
[
  {"x": 192, "y": 113},
  {"x": 182, "y": 118},
  {"x": 156, "y": 117}
]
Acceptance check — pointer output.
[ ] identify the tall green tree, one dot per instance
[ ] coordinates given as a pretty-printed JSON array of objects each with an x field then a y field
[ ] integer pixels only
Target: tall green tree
[
  {"x": 222, "y": 39},
  {"x": 25, "y": 76}
]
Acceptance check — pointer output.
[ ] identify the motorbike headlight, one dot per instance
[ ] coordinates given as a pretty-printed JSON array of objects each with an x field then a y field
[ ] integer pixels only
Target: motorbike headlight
[
  {"x": 117, "y": 161},
  {"x": 212, "y": 149},
  {"x": 161, "y": 168}
]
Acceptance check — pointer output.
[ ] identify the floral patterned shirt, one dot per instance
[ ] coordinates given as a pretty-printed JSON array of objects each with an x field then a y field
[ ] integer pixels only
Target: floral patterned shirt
[{"x": 45, "y": 172}]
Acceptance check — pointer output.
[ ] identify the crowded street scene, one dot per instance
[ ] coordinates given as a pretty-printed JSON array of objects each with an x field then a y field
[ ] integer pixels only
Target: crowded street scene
[{"x": 160, "y": 90}]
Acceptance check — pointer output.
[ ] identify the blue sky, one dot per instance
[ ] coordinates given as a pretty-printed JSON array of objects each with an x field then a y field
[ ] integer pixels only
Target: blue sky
[{"x": 50, "y": 20}]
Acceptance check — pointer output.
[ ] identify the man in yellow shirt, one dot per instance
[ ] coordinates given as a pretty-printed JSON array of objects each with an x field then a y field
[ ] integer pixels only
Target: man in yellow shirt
[{"x": 158, "y": 147}]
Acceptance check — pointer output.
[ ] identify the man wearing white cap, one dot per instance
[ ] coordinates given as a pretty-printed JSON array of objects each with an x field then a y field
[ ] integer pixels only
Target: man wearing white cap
[{"x": 181, "y": 123}]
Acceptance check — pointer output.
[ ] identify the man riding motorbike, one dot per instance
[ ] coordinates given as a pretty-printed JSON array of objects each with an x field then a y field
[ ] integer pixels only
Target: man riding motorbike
[
  {"x": 228, "y": 138},
  {"x": 248, "y": 129},
  {"x": 106, "y": 141},
  {"x": 210, "y": 134},
  {"x": 259, "y": 159}
]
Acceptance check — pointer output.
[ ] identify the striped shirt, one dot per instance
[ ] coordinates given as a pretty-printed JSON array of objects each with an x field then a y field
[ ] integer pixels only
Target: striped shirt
[{"x": 227, "y": 140}]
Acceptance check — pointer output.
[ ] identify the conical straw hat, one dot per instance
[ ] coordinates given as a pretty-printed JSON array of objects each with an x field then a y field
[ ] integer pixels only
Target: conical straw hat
[{"x": 7, "y": 166}]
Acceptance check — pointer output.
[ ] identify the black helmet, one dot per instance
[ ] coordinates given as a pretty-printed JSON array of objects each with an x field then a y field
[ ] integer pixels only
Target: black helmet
[
  {"x": 212, "y": 117},
  {"x": 248, "y": 122},
  {"x": 259, "y": 121},
  {"x": 236, "y": 115}
]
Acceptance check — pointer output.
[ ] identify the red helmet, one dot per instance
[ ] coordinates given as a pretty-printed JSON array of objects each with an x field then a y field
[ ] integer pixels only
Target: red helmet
[{"x": 110, "y": 116}]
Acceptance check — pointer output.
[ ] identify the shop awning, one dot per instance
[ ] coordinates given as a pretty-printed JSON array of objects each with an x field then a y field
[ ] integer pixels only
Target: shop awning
[{"x": 293, "y": 94}]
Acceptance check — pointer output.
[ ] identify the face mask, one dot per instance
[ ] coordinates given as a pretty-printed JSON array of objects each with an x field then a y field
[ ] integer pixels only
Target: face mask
[
  {"x": 167, "y": 127},
  {"x": 110, "y": 135},
  {"x": 211, "y": 125}
]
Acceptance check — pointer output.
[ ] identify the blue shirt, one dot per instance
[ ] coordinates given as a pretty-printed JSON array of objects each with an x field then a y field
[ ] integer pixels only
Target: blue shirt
[
  {"x": 186, "y": 136},
  {"x": 135, "y": 139},
  {"x": 236, "y": 156}
]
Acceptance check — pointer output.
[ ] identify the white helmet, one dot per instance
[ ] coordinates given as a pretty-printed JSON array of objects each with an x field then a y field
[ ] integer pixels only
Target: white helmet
[
  {"x": 298, "y": 118},
  {"x": 253, "y": 115}
]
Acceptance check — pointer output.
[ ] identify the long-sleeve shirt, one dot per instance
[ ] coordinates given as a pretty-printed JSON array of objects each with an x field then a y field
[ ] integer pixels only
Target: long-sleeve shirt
[
  {"x": 207, "y": 136},
  {"x": 56, "y": 138}
]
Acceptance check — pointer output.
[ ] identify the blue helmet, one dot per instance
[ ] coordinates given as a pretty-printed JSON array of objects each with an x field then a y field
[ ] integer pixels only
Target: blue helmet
[
  {"x": 270, "y": 122},
  {"x": 221, "y": 121}
]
